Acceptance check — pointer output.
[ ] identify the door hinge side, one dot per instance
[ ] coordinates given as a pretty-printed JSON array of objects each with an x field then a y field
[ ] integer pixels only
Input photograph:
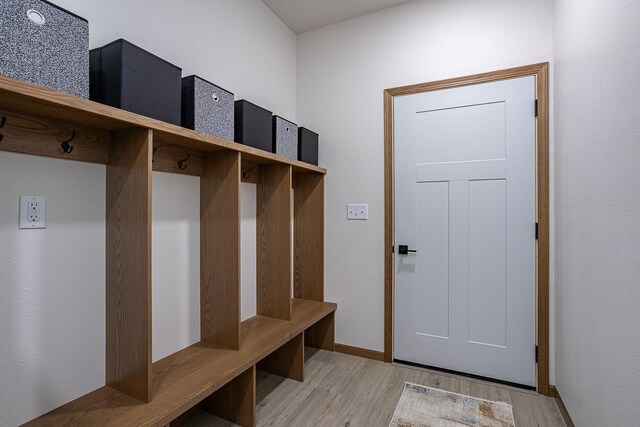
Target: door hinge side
[
  {"x": 537, "y": 231},
  {"x": 536, "y": 108},
  {"x": 536, "y": 354},
  {"x": 393, "y": 249}
]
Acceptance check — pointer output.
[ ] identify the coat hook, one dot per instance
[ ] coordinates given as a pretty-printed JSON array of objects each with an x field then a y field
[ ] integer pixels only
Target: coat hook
[
  {"x": 66, "y": 146},
  {"x": 247, "y": 174},
  {"x": 153, "y": 160},
  {"x": 3, "y": 120},
  {"x": 182, "y": 163}
]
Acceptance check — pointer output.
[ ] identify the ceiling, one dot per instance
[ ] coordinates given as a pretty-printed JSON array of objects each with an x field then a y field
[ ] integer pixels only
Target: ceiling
[{"x": 306, "y": 15}]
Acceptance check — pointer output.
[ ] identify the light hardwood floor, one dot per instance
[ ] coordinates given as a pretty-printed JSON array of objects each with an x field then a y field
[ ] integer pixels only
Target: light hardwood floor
[{"x": 348, "y": 391}]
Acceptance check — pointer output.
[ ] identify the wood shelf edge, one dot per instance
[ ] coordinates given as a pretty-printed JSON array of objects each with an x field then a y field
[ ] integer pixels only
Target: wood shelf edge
[{"x": 50, "y": 104}]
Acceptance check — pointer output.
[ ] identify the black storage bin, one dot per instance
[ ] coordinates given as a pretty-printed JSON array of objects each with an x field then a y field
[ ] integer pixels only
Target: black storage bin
[
  {"x": 44, "y": 44},
  {"x": 285, "y": 137},
  {"x": 207, "y": 108},
  {"x": 307, "y": 146},
  {"x": 253, "y": 125},
  {"x": 128, "y": 77}
]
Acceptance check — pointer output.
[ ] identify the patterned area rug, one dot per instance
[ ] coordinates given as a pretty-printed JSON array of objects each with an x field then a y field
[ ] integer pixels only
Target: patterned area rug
[{"x": 421, "y": 406}]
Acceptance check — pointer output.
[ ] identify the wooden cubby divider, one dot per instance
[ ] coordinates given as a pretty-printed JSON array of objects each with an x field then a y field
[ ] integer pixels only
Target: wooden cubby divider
[
  {"x": 273, "y": 241},
  {"x": 309, "y": 236},
  {"x": 218, "y": 373},
  {"x": 236, "y": 400},
  {"x": 322, "y": 334},
  {"x": 287, "y": 361},
  {"x": 220, "y": 249},
  {"x": 128, "y": 267}
]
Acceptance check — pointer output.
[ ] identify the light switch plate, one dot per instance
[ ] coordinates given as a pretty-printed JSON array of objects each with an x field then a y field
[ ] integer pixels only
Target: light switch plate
[
  {"x": 358, "y": 211},
  {"x": 33, "y": 212}
]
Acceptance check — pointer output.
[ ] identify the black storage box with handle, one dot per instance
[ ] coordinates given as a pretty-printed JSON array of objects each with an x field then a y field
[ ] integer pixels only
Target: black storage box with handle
[
  {"x": 126, "y": 76},
  {"x": 253, "y": 125},
  {"x": 307, "y": 146}
]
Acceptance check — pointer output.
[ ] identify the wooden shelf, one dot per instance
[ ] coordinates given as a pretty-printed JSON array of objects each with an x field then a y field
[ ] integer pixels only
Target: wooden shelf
[
  {"x": 19, "y": 98},
  {"x": 187, "y": 377},
  {"x": 218, "y": 373}
]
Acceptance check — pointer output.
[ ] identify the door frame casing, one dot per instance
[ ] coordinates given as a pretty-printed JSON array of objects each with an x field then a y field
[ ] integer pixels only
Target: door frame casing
[{"x": 541, "y": 72}]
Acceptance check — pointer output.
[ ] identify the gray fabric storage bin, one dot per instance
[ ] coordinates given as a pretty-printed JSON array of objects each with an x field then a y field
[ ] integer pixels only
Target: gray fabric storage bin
[
  {"x": 285, "y": 137},
  {"x": 207, "y": 108},
  {"x": 44, "y": 44}
]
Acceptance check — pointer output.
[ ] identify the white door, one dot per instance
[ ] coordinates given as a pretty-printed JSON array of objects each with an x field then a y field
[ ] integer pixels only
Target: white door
[{"x": 465, "y": 201}]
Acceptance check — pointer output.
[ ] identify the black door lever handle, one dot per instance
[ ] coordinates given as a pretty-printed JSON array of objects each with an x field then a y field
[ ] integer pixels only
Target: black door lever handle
[{"x": 404, "y": 250}]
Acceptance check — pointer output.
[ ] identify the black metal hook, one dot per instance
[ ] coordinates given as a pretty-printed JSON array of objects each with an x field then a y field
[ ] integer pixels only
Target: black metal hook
[
  {"x": 153, "y": 160},
  {"x": 66, "y": 146},
  {"x": 3, "y": 120},
  {"x": 247, "y": 174},
  {"x": 182, "y": 163}
]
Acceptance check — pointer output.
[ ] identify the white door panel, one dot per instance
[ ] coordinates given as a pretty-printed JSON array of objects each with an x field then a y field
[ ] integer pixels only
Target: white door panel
[
  {"x": 465, "y": 200},
  {"x": 432, "y": 316},
  {"x": 487, "y": 269},
  {"x": 441, "y": 139}
]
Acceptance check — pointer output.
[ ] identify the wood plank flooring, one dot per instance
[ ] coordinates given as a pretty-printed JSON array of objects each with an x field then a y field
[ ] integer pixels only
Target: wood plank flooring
[{"x": 349, "y": 391}]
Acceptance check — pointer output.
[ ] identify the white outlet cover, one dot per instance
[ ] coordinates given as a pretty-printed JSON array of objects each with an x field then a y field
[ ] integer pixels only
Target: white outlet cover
[
  {"x": 358, "y": 211},
  {"x": 33, "y": 207}
]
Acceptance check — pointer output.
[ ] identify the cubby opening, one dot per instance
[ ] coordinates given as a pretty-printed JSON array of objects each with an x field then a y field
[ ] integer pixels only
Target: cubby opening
[{"x": 175, "y": 263}]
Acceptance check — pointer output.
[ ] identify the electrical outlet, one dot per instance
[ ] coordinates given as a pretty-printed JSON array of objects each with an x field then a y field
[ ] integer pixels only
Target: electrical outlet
[
  {"x": 360, "y": 211},
  {"x": 33, "y": 212},
  {"x": 33, "y": 215}
]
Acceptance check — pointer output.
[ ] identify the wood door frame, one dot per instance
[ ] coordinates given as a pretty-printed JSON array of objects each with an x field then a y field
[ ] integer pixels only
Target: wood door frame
[{"x": 541, "y": 72}]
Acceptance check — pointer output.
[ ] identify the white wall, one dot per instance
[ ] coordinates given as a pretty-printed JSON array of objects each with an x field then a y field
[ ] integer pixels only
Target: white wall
[
  {"x": 598, "y": 210},
  {"x": 175, "y": 239},
  {"x": 240, "y": 45},
  {"x": 52, "y": 314},
  {"x": 342, "y": 72},
  {"x": 52, "y": 297}
]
